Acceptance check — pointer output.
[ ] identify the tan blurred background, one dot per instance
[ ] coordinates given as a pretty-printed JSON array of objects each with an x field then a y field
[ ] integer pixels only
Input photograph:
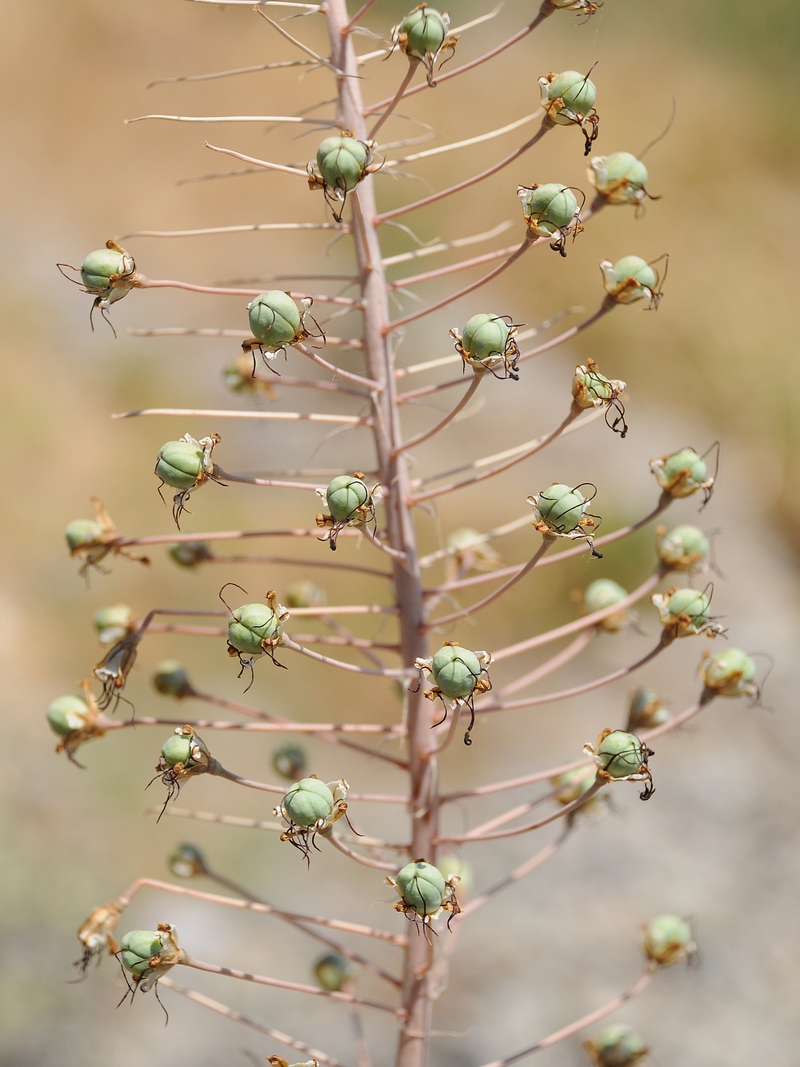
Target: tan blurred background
[{"x": 719, "y": 841}]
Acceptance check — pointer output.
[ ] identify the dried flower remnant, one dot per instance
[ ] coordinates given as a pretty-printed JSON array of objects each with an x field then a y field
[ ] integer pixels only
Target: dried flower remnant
[
  {"x": 96, "y": 934},
  {"x": 93, "y": 539}
]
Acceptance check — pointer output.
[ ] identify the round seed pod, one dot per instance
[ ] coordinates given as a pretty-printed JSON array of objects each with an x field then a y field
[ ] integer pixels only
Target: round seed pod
[
  {"x": 548, "y": 208},
  {"x": 561, "y": 507},
  {"x": 603, "y": 593},
  {"x": 68, "y": 714},
  {"x": 456, "y": 671},
  {"x": 275, "y": 320},
  {"x": 137, "y": 949},
  {"x": 113, "y": 623},
  {"x": 180, "y": 464},
  {"x": 686, "y": 467},
  {"x": 485, "y": 337},
  {"x": 685, "y": 548},
  {"x": 305, "y": 594},
  {"x": 333, "y": 972},
  {"x": 423, "y": 31},
  {"x": 82, "y": 532},
  {"x": 620, "y": 754},
  {"x": 187, "y": 861},
  {"x": 573, "y": 784},
  {"x": 686, "y": 611},
  {"x": 591, "y": 389},
  {"x": 190, "y": 553},
  {"x": 730, "y": 673},
  {"x": 345, "y": 495},
  {"x": 619, "y": 178},
  {"x": 629, "y": 279},
  {"x": 568, "y": 94},
  {"x": 308, "y": 801},
  {"x": 250, "y": 626},
  {"x": 176, "y": 749},
  {"x": 102, "y": 265},
  {"x": 422, "y": 887},
  {"x": 616, "y": 1046},
  {"x": 289, "y": 761},
  {"x": 646, "y": 710},
  {"x": 172, "y": 679},
  {"x": 668, "y": 940},
  {"x": 342, "y": 162}
]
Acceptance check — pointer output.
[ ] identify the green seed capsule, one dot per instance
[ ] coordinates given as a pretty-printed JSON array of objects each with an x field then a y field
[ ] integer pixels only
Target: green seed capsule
[
  {"x": 308, "y": 801},
  {"x": 172, "y": 679},
  {"x": 730, "y": 673},
  {"x": 100, "y": 266},
  {"x": 251, "y": 626},
  {"x": 289, "y": 761},
  {"x": 275, "y": 320},
  {"x": 619, "y": 178},
  {"x": 668, "y": 940},
  {"x": 190, "y": 554},
  {"x": 422, "y": 887},
  {"x": 616, "y": 1046},
  {"x": 591, "y": 389},
  {"x": 305, "y": 595},
  {"x": 342, "y": 162},
  {"x": 180, "y": 464},
  {"x": 82, "y": 532},
  {"x": 573, "y": 784},
  {"x": 567, "y": 95},
  {"x": 176, "y": 749},
  {"x": 423, "y": 32},
  {"x": 485, "y": 336},
  {"x": 137, "y": 949},
  {"x": 344, "y": 496},
  {"x": 620, "y": 754},
  {"x": 113, "y": 623},
  {"x": 333, "y": 972},
  {"x": 684, "y": 611},
  {"x": 68, "y": 714},
  {"x": 456, "y": 671},
  {"x": 549, "y": 208},
  {"x": 646, "y": 710},
  {"x": 605, "y": 593},
  {"x": 685, "y": 548},
  {"x": 186, "y": 861},
  {"x": 629, "y": 279},
  {"x": 561, "y": 507}
]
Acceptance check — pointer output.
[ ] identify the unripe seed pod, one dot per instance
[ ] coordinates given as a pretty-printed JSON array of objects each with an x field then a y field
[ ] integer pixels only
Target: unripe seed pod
[
  {"x": 629, "y": 279},
  {"x": 305, "y": 595},
  {"x": 251, "y": 626},
  {"x": 616, "y": 1046},
  {"x": 485, "y": 336},
  {"x": 172, "y": 679},
  {"x": 471, "y": 550},
  {"x": 275, "y": 320},
  {"x": 344, "y": 496},
  {"x": 456, "y": 671},
  {"x": 561, "y": 507},
  {"x": 308, "y": 801},
  {"x": 180, "y": 464},
  {"x": 683, "y": 473},
  {"x": 549, "y": 209},
  {"x": 333, "y": 972},
  {"x": 137, "y": 949},
  {"x": 187, "y": 861},
  {"x": 342, "y": 162},
  {"x": 176, "y": 749},
  {"x": 645, "y": 711},
  {"x": 573, "y": 784},
  {"x": 102, "y": 265},
  {"x": 113, "y": 623},
  {"x": 685, "y": 548},
  {"x": 619, "y": 178},
  {"x": 591, "y": 389},
  {"x": 289, "y": 761},
  {"x": 422, "y": 887},
  {"x": 190, "y": 554},
  {"x": 605, "y": 593},
  {"x": 454, "y": 867},
  {"x": 82, "y": 532},
  {"x": 684, "y": 612},
  {"x": 668, "y": 940},
  {"x": 730, "y": 673},
  {"x": 567, "y": 95},
  {"x": 68, "y": 714},
  {"x": 620, "y": 754},
  {"x": 423, "y": 32}
]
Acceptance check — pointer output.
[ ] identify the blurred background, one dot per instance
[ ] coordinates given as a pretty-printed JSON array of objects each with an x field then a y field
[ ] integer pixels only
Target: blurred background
[{"x": 719, "y": 841}]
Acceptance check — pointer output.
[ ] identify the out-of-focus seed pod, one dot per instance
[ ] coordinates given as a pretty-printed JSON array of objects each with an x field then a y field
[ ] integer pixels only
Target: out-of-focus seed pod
[
  {"x": 333, "y": 972},
  {"x": 645, "y": 711},
  {"x": 684, "y": 548},
  {"x": 616, "y": 1046},
  {"x": 190, "y": 554},
  {"x": 290, "y": 762},
  {"x": 683, "y": 473},
  {"x": 605, "y": 593},
  {"x": 683, "y": 612},
  {"x": 619, "y": 178},
  {"x": 668, "y": 940},
  {"x": 172, "y": 680},
  {"x": 113, "y": 622},
  {"x": 729, "y": 673},
  {"x": 187, "y": 861},
  {"x": 305, "y": 594},
  {"x": 630, "y": 279}
]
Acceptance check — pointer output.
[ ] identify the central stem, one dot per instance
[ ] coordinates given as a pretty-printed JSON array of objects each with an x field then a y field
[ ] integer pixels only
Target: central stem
[{"x": 400, "y": 532}]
